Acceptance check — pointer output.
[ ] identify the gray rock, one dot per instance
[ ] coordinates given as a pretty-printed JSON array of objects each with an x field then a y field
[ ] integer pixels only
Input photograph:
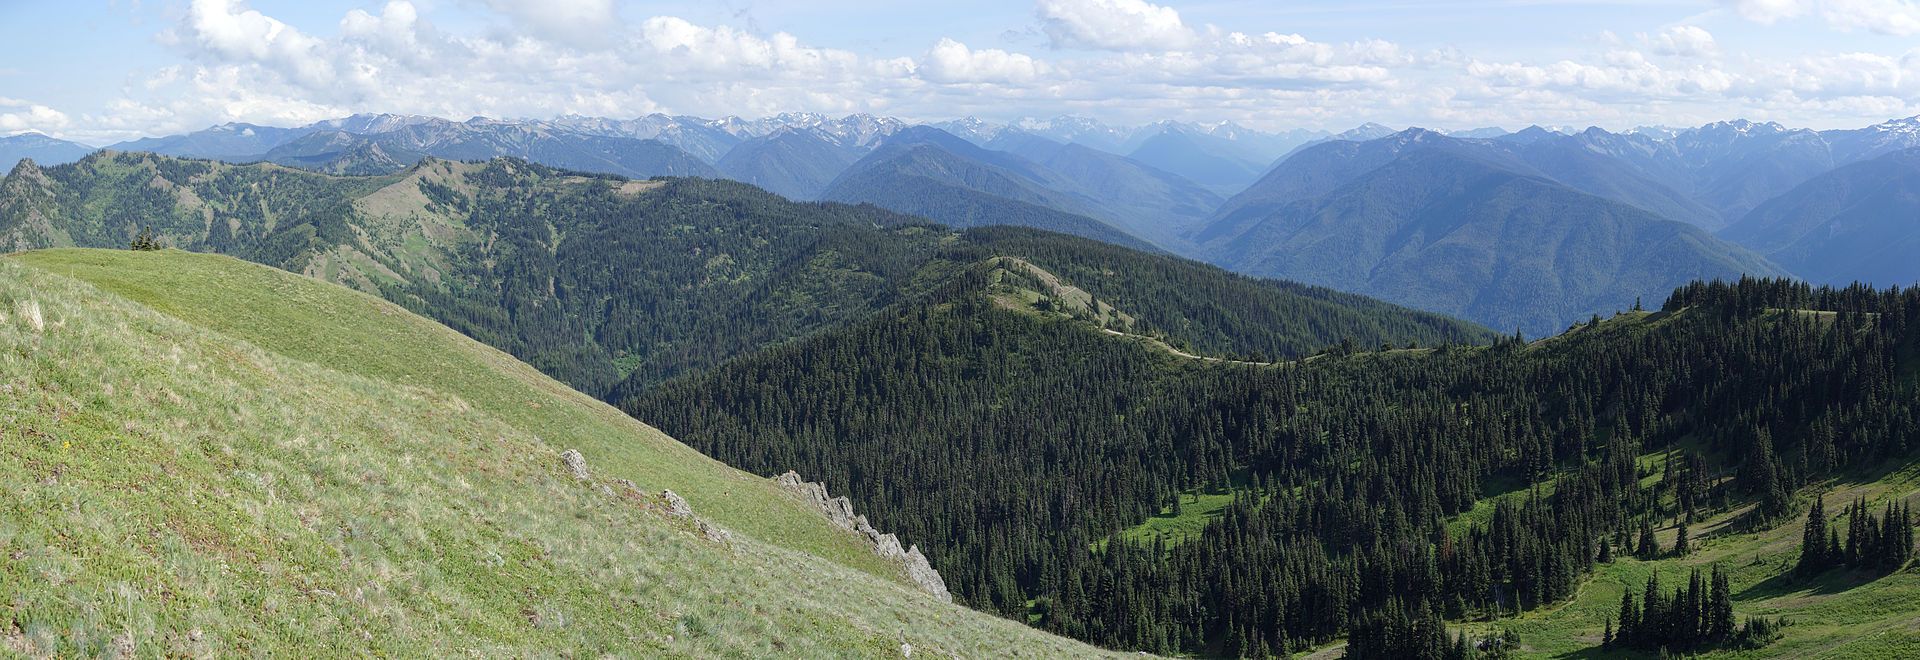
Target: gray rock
[
  {"x": 839, "y": 511},
  {"x": 576, "y": 464},
  {"x": 677, "y": 506},
  {"x": 922, "y": 574}
]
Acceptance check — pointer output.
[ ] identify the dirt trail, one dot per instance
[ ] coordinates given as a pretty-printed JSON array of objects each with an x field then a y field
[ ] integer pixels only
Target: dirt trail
[
  {"x": 1164, "y": 346},
  {"x": 1083, "y": 301}
]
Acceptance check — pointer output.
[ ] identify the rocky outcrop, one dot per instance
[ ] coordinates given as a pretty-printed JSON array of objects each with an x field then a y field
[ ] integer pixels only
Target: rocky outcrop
[
  {"x": 576, "y": 464},
  {"x": 839, "y": 511},
  {"x": 677, "y": 506}
]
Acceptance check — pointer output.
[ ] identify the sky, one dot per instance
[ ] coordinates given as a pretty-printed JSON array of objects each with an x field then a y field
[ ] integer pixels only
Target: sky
[{"x": 109, "y": 70}]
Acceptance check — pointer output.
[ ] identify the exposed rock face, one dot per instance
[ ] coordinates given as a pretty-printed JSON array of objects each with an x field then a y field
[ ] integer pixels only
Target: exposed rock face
[
  {"x": 839, "y": 510},
  {"x": 576, "y": 464},
  {"x": 677, "y": 506}
]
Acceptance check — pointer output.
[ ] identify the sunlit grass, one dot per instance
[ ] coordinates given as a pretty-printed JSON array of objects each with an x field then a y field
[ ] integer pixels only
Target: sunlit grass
[{"x": 278, "y": 467}]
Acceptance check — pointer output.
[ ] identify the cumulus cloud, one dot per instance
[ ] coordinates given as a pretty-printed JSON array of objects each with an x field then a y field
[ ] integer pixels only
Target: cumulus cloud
[
  {"x": 1685, "y": 41},
  {"x": 952, "y": 61},
  {"x": 1113, "y": 25},
  {"x": 227, "y": 30},
  {"x": 18, "y": 116},
  {"x": 691, "y": 47},
  {"x": 240, "y": 64},
  {"x": 1900, "y": 18}
]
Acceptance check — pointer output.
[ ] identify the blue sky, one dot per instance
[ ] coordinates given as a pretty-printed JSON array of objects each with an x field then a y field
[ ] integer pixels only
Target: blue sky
[{"x": 112, "y": 70}]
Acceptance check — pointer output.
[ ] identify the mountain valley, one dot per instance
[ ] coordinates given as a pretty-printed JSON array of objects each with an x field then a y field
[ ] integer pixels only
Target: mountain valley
[{"x": 992, "y": 349}]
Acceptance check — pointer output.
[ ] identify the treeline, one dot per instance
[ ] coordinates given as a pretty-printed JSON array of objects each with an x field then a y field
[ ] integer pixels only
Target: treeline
[
  {"x": 1695, "y": 617},
  {"x": 1013, "y": 448},
  {"x": 1874, "y": 543}
]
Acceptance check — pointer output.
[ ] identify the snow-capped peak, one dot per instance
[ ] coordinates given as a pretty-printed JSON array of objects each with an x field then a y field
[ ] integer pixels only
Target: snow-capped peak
[{"x": 1907, "y": 126}]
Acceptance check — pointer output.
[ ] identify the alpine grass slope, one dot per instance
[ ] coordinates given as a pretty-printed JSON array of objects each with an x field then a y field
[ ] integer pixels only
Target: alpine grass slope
[{"x": 207, "y": 457}]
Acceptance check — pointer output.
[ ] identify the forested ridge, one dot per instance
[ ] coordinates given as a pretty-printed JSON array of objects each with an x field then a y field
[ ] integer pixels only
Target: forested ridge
[
  {"x": 1013, "y": 446},
  {"x": 613, "y": 285}
]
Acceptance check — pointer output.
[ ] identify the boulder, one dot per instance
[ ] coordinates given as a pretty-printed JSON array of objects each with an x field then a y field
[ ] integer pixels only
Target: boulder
[
  {"x": 576, "y": 463},
  {"x": 677, "y": 506}
]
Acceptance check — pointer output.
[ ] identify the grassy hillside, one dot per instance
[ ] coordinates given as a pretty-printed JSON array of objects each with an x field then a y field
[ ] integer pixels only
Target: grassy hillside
[
  {"x": 209, "y": 457},
  {"x": 1841, "y": 614}
]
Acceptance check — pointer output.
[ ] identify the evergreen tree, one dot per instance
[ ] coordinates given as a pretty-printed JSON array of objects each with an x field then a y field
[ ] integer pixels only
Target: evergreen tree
[
  {"x": 145, "y": 241},
  {"x": 1813, "y": 541},
  {"x": 1649, "y": 546},
  {"x": 1720, "y": 621},
  {"x": 1761, "y": 476}
]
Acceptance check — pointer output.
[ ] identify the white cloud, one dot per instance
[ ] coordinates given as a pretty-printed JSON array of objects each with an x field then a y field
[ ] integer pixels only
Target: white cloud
[
  {"x": 1842, "y": 75},
  {"x": 18, "y": 116},
  {"x": 952, "y": 61},
  {"x": 1685, "y": 41},
  {"x": 693, "y": 47},
  {"x": 242, "y": 65},
  {"x": 226, "y": 30},
  {"x": 1113, "y": 25},
  {"x": 1899, "y": 18},
  {"x": 1620, "y": 74}
]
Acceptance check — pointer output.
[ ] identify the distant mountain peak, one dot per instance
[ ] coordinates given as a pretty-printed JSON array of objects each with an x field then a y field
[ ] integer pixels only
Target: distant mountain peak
[
  {"x": 1416, "y": 135},
  {"x": 1744, "y": 127},
  {"x": 1908, "y": 125},
  {"x": 1656, "y": 132},
  {"x": 1364, "y": 132}
]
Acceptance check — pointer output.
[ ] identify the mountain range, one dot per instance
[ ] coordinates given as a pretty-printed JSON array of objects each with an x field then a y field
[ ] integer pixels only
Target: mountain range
[
  {"x": 1459, "y": 234},
  {"x": 1860, "y": 222},
  {"x": 1199, "y": 190},
  {"x": 1069, "y": 432},
  {"x": 39, "y": 148}
]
